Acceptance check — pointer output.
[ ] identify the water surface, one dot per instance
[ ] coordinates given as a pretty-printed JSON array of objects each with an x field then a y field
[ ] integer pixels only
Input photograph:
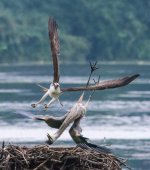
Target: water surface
[{"x": 117, "y": 117}]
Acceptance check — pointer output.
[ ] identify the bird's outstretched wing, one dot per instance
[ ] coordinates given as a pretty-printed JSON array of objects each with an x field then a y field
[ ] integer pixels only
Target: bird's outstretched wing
[
  {"x": 105, "y": 84},
  {"x": 54, "y": 43},
  {"x": 51, "y": 121}
]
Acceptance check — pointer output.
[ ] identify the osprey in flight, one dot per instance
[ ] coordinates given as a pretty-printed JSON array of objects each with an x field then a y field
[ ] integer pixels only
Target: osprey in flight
[{"x": 54, "y": 91}]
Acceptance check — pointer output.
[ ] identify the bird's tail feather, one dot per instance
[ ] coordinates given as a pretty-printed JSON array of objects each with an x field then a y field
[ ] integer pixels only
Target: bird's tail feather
[
  {"x": 93, "y": 147},
  {"x": 84, "y": 144}
]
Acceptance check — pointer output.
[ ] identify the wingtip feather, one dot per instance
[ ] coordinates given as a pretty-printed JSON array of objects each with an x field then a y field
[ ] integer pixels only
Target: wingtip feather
[
  {"x": 133, "y": 77},
  {"x": 38, "y": 118}
]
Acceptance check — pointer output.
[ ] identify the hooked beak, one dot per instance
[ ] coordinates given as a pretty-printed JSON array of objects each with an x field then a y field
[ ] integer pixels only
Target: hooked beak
[{"x": 55, "y": 86}]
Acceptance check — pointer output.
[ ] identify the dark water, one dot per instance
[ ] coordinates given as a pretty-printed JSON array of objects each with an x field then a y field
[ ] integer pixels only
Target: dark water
[{"x": 120, "y": 117}]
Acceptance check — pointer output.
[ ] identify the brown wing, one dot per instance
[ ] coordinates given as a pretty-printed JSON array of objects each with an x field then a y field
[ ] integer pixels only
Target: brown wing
[
  {"x": 76, "y": 134},
  {"x": 54, "y": 122},
  {"x": 105, "y": 84},
  {"x": 54, "y": 43}
]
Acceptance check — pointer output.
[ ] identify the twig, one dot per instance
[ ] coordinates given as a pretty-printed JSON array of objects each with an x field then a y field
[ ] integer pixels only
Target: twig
[
  {"x": 41, "y": 164},
  {"x": 93, "y": 68},
  {"x": 3, "y": 146},
  {"x": 22, "y": 156}
]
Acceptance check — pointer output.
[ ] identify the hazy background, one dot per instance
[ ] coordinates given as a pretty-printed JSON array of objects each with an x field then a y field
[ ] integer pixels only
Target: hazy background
[
  {"x": 97, "y": 30},
  {"x": 114, "y": 32}
]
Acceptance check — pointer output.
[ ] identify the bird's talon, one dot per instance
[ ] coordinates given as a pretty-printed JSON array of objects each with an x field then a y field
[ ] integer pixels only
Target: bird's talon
[{"x": 50, "y": 140}]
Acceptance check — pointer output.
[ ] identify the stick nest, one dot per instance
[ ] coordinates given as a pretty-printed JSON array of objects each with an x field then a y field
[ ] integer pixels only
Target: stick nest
[{"x": 44, "y": 157}]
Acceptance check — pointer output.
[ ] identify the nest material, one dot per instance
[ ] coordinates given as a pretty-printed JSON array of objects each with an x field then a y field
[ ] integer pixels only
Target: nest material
[{"x": 44, "y": 157}]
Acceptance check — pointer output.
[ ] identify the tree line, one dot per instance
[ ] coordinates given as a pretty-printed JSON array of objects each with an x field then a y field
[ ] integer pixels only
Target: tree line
[{"x": 89, "y": 30}]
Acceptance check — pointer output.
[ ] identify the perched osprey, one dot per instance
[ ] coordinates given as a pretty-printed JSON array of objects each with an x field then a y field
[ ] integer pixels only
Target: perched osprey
[{"x": 54, "y": 91}]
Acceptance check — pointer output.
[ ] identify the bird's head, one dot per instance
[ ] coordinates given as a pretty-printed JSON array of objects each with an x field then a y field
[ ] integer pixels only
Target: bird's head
[{"x": 56, "y": 85}]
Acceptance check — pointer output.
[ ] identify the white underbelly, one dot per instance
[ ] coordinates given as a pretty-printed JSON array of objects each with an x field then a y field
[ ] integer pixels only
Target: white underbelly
[{"x": 54, "y": 93}]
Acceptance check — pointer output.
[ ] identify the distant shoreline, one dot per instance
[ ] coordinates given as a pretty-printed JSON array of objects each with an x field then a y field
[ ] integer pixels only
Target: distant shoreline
[{"x": 141, "y": 62}]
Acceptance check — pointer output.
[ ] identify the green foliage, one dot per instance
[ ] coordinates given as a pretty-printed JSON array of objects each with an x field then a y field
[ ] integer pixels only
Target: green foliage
[{"x": 103, "y": 30}]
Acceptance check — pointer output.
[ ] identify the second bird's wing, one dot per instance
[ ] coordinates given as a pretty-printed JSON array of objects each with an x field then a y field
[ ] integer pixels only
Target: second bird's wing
[
  {"x": 54, "y": 43},
  {"x": 82, "y": 142},
  {"x": 105, "y": 84},
  {"x": 53, "y": 122}
]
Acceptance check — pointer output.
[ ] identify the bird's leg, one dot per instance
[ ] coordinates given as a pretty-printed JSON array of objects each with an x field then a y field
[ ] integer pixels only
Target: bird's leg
[
  {"x": 41, "y": 100},
  {"x": 50, "y": 102},
  {"x": 60, "y": 102}
]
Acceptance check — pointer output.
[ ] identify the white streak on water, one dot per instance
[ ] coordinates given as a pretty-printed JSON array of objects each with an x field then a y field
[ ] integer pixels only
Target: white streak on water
[
  {"x": 14, "y": 91},
  {"x": 107, "y": 105},
  {"x": 15, "y": 77},
  {"x": 13, "y": 106},
  {"x": 136, "y": 94},
  {"x": 18, "y": 133},
  {"x": 124, "y": 106}
]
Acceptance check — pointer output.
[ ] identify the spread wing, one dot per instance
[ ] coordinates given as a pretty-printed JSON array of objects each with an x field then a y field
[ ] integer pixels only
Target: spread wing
[
  {"x": 53, "y": 122},
  {"x": 54, "y": 43},
  {"x": 105, "y": 84}
]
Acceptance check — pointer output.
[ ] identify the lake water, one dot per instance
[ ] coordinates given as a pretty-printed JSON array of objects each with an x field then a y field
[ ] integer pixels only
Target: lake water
[{"x": 117, "y": 117}]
